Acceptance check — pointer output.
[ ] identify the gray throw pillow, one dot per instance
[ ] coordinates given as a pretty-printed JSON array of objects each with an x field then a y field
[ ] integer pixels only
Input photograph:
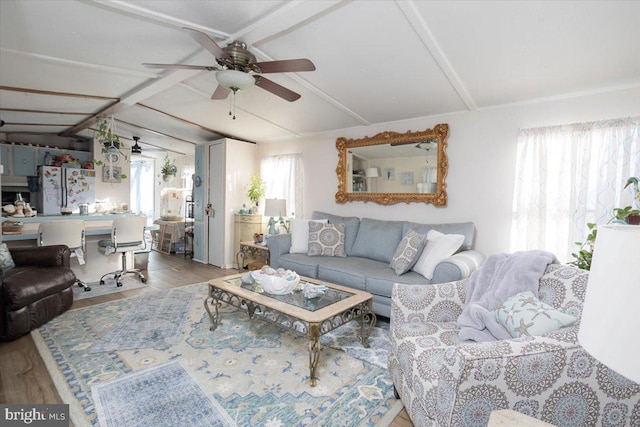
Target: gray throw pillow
[
  {"x": 326, "y": 239},
  {"x": 6, "y": 260},
  {"x": 408, "y": 252}
]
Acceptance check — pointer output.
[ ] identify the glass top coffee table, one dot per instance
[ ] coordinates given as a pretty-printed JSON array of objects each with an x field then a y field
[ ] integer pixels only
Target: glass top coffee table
[{"x": 311, "y": 317}]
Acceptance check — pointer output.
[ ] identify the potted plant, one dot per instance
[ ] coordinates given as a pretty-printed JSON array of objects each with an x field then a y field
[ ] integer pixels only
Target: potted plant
[
  {"x": 169, "y": 169},
  {"x": 257, "y": 189},
  {"x": 110, "y": 145},
  {"x": 585, "y": 254},
  {"x": 107, "y": 136}
]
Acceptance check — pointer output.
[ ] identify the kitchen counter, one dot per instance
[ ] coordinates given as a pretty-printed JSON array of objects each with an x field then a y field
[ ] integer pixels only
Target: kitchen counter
[
  {"x": 100, "y": 224},
  {"x": 97, "y": 227}
]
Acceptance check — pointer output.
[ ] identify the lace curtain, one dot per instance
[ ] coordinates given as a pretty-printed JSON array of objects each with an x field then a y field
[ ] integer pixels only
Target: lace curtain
[
  {"x": 567, "y": 176},
  {"x": 141, "y": 181},
  {"x": 284, "y": 176}
]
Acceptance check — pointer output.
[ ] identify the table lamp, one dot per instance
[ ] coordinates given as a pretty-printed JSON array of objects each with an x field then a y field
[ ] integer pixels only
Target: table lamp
[
  {"x": 372, "y": 173},
  {"x": 610, "y": 322},
  {"x": 274, "y": 207}
]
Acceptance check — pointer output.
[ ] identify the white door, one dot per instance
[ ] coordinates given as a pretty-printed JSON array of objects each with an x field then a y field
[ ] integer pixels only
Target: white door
[{"x": 215, "y": 213}]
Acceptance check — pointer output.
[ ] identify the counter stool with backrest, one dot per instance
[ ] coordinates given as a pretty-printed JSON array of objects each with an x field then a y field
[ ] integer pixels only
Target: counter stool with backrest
[
  {"x": 127, "y": 235},
  {"x": 64, "y": 232}
]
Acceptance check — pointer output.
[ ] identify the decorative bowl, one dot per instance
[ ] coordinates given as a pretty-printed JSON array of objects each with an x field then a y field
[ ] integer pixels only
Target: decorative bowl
[{"x": 274, "y": 284}]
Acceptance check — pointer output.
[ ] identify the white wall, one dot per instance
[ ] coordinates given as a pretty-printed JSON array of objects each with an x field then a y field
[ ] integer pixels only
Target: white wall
[{"x": 481, "y": 150}]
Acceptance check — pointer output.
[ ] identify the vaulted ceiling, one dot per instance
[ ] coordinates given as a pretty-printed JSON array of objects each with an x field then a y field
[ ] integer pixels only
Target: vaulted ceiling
[{"x": 64, "y": 62}]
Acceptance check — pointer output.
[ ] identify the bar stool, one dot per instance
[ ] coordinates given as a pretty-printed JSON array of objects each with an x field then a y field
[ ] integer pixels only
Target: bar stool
[
  {"x": 127, "y": 235},
  {"x": 65, "y": 232}
]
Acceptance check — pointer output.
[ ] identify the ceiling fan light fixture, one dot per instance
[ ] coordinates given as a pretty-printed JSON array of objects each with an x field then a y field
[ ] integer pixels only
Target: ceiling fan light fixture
[
  {"x": 235, "y": 80},
  {"x": 136, "y": 149}
]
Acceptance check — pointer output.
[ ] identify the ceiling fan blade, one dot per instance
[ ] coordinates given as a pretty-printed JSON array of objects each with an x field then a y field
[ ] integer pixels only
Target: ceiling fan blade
[
  {"x": 206, "y": 42},
  {"x": 276, "y": 89},
  {"x": 286, "y": 66},
  {"x": 221, "y": 92},
  {"x": 182, "y": 66}
]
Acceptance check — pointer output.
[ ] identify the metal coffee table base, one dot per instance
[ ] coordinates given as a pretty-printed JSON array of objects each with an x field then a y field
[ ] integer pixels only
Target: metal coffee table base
[{"x": 313, "y": 330}]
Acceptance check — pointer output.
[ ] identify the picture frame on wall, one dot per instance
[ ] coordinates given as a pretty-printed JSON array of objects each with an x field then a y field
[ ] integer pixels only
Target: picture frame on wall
[
  {"x": 389, "y": 174},
  {"x": 111, "y": 177},
  {"x": 407, "y": 178}
]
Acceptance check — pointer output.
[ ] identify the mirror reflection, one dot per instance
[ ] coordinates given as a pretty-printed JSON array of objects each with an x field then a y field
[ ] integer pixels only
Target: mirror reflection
[{"x": 391, "y": 167}]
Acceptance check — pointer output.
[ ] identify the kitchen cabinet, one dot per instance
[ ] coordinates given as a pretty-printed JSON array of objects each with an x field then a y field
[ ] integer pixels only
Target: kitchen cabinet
[
  {"x": 5, "y": 156},
  {"x": 24, "y": 160}
]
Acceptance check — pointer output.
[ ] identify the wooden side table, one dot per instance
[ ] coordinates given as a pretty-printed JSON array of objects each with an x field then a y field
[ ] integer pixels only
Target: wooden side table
[
  {"x": 509, "y": 418},
  {"x": 251, "y": 251}
]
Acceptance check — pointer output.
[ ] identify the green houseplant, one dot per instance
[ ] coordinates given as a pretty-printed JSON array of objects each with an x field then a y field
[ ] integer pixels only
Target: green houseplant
[
  {"x": 169, "y": 169},
  {"x": 257, "y": 189},
  {"x": 110, "y": 144},
  {"x": 585, "y": 254}
]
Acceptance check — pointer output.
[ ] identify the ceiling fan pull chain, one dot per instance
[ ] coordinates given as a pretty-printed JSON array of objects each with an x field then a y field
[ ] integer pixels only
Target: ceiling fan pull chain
[{"x": 232, "y": 103}]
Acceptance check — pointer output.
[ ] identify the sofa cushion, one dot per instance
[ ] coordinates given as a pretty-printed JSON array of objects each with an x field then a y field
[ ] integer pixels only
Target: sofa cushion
[
  {"x": 467, "y": 229},
  {"x": 439, "y": 246},
  {"x": 524, "y": 314},
  {"x": 326, "y": 239},
  {"x": 408, "y": 252},
  {"x": 380, "y": 282},
  {"x": 302, "y": 264},
  {"x": 24, "y": 285},
  {"x": 377, "y": 239},
  {"x": 300, "y": 235},
  {"x": 351, "y": 271},
  {"x": 351, "y": 226}
]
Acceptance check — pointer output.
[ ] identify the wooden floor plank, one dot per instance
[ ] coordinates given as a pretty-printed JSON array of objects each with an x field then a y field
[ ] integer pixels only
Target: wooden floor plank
[{"x": 23, "y": 375}]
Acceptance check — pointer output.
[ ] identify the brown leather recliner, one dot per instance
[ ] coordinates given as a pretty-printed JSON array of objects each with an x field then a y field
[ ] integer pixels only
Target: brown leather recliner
[{"x": 36, "y": 290}]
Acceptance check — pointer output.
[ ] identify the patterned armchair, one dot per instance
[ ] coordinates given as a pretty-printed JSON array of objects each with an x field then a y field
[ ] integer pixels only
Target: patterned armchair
[{"x": 445, "y": 382}]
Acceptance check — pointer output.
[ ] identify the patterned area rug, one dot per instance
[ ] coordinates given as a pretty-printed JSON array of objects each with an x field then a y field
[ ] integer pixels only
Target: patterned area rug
[
  {"x": 109, "y": 287},
  {"x": 156, "y": 319},
  {"x": 140, "y": 400},
  {"x": 256, "y": 372}
]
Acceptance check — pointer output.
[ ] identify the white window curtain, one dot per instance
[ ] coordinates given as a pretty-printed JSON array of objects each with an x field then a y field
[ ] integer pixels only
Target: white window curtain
[
  {"x": 284, "y": 177},
  {"x": 141, "y": 181},
  {"x": 567, "y": 176}
]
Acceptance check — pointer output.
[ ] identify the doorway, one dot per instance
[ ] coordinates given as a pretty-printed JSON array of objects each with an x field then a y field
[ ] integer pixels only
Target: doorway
[{"x": 216, "y": 212}]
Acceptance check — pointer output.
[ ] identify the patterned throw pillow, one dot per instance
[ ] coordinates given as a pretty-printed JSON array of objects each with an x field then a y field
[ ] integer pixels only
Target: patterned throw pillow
[
  {"x": 326, "y": 239},
  {"x": 524, "y": 314},
  {"x": 407, "y": 252},
  {"x": 6, "y": 261}
]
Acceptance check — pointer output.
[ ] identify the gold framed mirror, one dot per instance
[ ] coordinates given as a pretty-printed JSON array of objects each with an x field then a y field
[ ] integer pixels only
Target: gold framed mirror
[{"x": 392, "y": 167}]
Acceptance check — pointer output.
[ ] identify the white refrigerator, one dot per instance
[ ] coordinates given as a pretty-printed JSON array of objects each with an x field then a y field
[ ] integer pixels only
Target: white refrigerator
[{"x": 65, "y": 187}]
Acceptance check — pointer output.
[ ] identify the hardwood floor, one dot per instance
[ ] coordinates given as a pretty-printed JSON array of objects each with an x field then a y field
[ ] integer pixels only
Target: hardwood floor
[{"x": 23, "y": 375}]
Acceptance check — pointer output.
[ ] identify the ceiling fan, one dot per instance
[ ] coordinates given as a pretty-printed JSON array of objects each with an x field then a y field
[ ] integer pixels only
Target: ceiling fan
[{"x": 237, "y": 68}]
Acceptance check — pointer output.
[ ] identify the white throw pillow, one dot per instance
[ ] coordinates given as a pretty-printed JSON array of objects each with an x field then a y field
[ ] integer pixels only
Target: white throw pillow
[
  {"x": 439, "y": 246},
  {"x": 300, "y": 234}
]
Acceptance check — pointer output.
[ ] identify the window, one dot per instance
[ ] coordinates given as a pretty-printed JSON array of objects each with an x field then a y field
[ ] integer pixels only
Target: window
[
  {"x": 567, "y": 176},
  {"x": 284, "y": 177},
  {"x": 141, "y": 182}
]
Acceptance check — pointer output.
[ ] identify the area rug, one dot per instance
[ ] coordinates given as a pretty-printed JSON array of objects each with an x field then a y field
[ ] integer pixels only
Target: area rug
[
  {"x": 256, "y": 372},
  {"x": 109, "y": 287},
  {"x": 140, "y": 399},
  {"x": 156, "y": 319}
]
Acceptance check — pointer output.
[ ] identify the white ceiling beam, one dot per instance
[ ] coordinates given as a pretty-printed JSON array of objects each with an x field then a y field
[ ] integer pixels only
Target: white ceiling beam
[
  {"x": 158, "y": 17},
  {"x": 79, "y": 64},
  {"x": 284, "y": 20},
  {"x": 421, "y": 28}
]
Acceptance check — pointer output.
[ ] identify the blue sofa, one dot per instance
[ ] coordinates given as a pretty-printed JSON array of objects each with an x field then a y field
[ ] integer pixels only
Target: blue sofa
[{"x": 370, "y": 245}]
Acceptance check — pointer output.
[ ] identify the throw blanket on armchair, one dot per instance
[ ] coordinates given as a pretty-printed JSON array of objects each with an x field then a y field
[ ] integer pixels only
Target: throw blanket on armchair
[{"x": 500, "y": 277}]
